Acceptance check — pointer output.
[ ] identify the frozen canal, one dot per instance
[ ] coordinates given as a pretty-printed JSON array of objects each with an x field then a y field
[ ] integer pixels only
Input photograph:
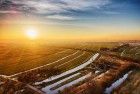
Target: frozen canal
[
  {"x": 47, "y": 88},
  {"x": 70, "y": 71},
  {"x": 117, "y": 83}
]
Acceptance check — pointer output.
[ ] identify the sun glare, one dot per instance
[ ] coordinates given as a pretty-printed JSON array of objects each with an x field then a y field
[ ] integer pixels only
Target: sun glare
[{"x": 31, "y": 33}]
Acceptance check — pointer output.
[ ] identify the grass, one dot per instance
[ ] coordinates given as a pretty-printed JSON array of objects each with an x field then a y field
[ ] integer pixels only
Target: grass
[
  {"x": 18, "y": 58},
  {"x": 66, "y": 59},
  {"x": 130, "y": 52},
  {"x": 80, "y": 60}
]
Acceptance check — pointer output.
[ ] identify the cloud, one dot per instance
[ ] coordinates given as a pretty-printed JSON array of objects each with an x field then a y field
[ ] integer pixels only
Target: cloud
[
  {"x": 60, "y": 17},
  {"x": 111, "y": 12},
  {"x": 84, "y": 4},
  {"x": 52, "y": 9},
  {"x": 9, "y": 12}
]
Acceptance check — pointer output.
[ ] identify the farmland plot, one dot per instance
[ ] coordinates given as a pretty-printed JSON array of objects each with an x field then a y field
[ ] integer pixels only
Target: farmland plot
[
  {"x": 18, "y": 59},
  {"x": 28, "y": 62},
  {"x": 49, "y": 65},
  {"x": 72, "y": 76},
  {"x": 61, "y": 70}
]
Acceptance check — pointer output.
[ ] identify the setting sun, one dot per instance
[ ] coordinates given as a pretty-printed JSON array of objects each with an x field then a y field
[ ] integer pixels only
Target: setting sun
[{"x": 31, "y": 33}]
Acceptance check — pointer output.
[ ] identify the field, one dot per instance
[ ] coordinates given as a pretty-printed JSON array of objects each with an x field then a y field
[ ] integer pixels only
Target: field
[
  {"x": 18, "y": 58},
  {"x": 77, "y": 67}
]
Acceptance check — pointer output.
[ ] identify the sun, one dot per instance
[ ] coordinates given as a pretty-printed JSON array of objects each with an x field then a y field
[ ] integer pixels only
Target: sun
[{"x": 31, "y": 33}]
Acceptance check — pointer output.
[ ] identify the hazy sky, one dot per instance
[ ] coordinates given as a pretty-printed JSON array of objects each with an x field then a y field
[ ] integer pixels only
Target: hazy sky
[{"x": 96, "y": 20}]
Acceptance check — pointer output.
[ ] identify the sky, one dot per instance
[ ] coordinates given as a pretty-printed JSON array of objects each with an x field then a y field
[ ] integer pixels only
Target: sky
[{"x": 83, "y": 20}]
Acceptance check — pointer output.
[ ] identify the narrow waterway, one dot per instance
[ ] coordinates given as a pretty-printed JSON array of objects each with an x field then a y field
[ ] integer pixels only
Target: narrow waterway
[
  {"x": 70, "y": 71},
  {"x": 117, "y": 83},
  {"x": 47, "y": 88}
]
